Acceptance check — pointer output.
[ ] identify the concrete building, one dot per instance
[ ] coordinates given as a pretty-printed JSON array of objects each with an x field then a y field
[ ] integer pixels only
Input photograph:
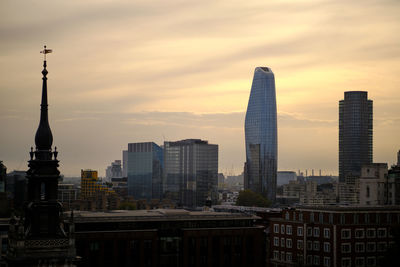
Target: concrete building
[
  {"x": 114, "y": 170},
  {"x": 333, "y": 236},
  {"x": 260, "y": 128},
  {"x": 355, "y": 133},
  {"x": 67, "y": 195},
  {"x": 191, "y": 172},
  {"x": 375, "y": 186}
]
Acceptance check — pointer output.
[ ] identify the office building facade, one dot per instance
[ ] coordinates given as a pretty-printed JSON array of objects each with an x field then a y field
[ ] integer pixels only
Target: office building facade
[
  {"x": 261, "y": 135},
  {"x": 144, "y": 170},
  {"x": 191, "y": 172},
  {"x": 355, "y": 133}
]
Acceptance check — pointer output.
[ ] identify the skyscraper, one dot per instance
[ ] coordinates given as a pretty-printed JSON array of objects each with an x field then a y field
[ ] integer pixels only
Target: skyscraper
[
  {"x": 191, "y": 172},
  {"x": 261, "y": 135},
  {"x": 355, "y": 133},
  {"x": 144, "y": 168}
]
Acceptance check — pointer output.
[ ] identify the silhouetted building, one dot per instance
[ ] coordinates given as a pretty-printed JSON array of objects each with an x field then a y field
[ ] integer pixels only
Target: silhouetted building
[
  {"x": 16, "y": 187},
  {"x": 169, "y": 237},
  {"x": 145, "y": 169},
  {"x": 4, "y": 203},
  {"x": 39, "y": 237},
  {"x": 261, "y": 135},
  {"x": 191, "y": 172},
  {"x": 355, "y": 133},
  {"x": 3, "y": 177}
]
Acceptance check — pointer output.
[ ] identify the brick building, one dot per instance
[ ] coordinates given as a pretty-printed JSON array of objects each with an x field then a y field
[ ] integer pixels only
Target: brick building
[{"x": 332, "y": 236}]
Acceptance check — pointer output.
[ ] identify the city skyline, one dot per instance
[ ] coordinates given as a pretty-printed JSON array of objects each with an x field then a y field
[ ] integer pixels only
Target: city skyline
[{"x": 131, "y": 72}]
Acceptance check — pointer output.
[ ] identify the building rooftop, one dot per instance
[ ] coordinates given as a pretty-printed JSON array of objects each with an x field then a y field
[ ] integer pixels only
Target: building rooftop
[
  {"x": 349, "y": 208},
  {"x": 156, "y": 215}
]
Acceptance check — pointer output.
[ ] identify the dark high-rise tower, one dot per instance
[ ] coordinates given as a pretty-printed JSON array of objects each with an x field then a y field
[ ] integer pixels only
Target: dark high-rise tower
[
  {"x": 39, "y": 238},
  {"x": 261, "y": 135},
  {"x": 355, "y": 133}
]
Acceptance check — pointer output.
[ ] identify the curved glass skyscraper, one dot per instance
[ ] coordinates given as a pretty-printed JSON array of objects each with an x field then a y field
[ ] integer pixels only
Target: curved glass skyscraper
[{"x": 261, "y": 135}]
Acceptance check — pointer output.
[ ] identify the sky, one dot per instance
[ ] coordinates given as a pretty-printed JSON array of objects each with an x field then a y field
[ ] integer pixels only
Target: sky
[{"x": 166, "y": 70}]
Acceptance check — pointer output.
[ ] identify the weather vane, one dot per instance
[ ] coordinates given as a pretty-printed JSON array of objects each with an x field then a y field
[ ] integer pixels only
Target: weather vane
[{"x": 46, "y": 51}]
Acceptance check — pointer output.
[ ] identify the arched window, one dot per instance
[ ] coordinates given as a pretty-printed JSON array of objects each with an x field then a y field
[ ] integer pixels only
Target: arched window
[{"x": 367, "y": 191}]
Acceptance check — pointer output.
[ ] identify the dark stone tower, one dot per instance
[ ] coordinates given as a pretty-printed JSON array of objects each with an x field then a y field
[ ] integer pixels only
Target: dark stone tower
[{"x": 40, "y": 237}]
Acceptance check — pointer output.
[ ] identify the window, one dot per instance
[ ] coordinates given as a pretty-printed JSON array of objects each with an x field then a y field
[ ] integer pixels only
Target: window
[
  {"x": 276, "y": 255},
  {"x": 309, "y": 245},
  {"x": 389, "y": 218},
  {"x": 282, "y": 256},
  {"x": 299, "y": 244},
  {"x": 299, "y": 231},
  {"x": 312, "y": 217},
  {"x": 316, "y": 231},
  {"x": 287, "y": 216},
  {"x": 371, "y": 261},
  {"x": 276, "y": 241},
  {"x": 360, "y": 262},
  {"x": 282, "y": 242},
  {"x": 342, "y": 219},
  {"x": 327, "y": 247},
  {"x": 381, "y": 232},
  {"x": 309, "y": 259},
  {"x": 327, "y": 262},
  {"x": 382, "y": 246},
  {"x": 371, "y": 247},
  {"x": 309, "y": 231},
  {"x": 346, "y": 262},
  {"x": 289, "y": 243},
  {"x": 327, "y": 232},
  {"x": 346, "y": 248},
  {"x": 355, "y": 219},
  {"x": 346, "y": 233},
  {"x": 316, "y": 260},
  {"x": 289, "y": 256},
  {"x": 282, "y": 229},
  {"x": 288, "y": 229},
  {"x": 276, "y": 228},
  {"x": 331, "y": 218},
  {"x": 316, "y": 245},
  {"x": 360, "y": 247},
  {"x": 321, "y": 217},
  {"x": 294, "y": 216},
  {"x": 367, "y": 192},
  {"x": 301, "y": 216},
  {"x": 370, "y": 233},
  {"x": 378, "y": 218},
  {"x": 359, "y": 233},
  {"x": 366, "y": 218}
]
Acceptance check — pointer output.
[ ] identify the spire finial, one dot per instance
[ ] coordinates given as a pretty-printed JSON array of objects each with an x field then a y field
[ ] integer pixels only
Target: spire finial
[
  {"x": 44, "y": 138},
  {"x": 44, "y": 52}
]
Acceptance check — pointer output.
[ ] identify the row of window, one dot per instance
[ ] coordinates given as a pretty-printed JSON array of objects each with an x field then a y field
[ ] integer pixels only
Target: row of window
[
  {"x": 367, "y": 218},
  {"x": 315, "y": 260},
  {"x": 360, "y": 233},
  {"x": 310, "y": 231},
  {"x": 364, "y": 247}
]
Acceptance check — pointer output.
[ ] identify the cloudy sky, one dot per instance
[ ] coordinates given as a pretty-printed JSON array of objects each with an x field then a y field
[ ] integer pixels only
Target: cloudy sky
[{"x": 155, "y": 70}]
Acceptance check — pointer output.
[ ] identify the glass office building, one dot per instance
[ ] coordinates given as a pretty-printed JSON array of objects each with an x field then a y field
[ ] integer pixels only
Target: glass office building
[
  {"x": 261, "y": 135},
  {"x": 355, "y": 133},
  {"x": 144, "y": 169},
  {"x": 191, "y": 172}
]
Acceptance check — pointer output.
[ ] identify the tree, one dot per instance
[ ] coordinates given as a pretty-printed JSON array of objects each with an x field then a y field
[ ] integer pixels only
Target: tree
[
  {"x": 252, "y": 199},
  {"x": 127, "y": 206}
]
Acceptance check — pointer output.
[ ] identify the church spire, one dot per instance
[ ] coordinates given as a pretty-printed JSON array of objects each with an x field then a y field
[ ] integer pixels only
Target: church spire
[{"x": 44, "y": 137}]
